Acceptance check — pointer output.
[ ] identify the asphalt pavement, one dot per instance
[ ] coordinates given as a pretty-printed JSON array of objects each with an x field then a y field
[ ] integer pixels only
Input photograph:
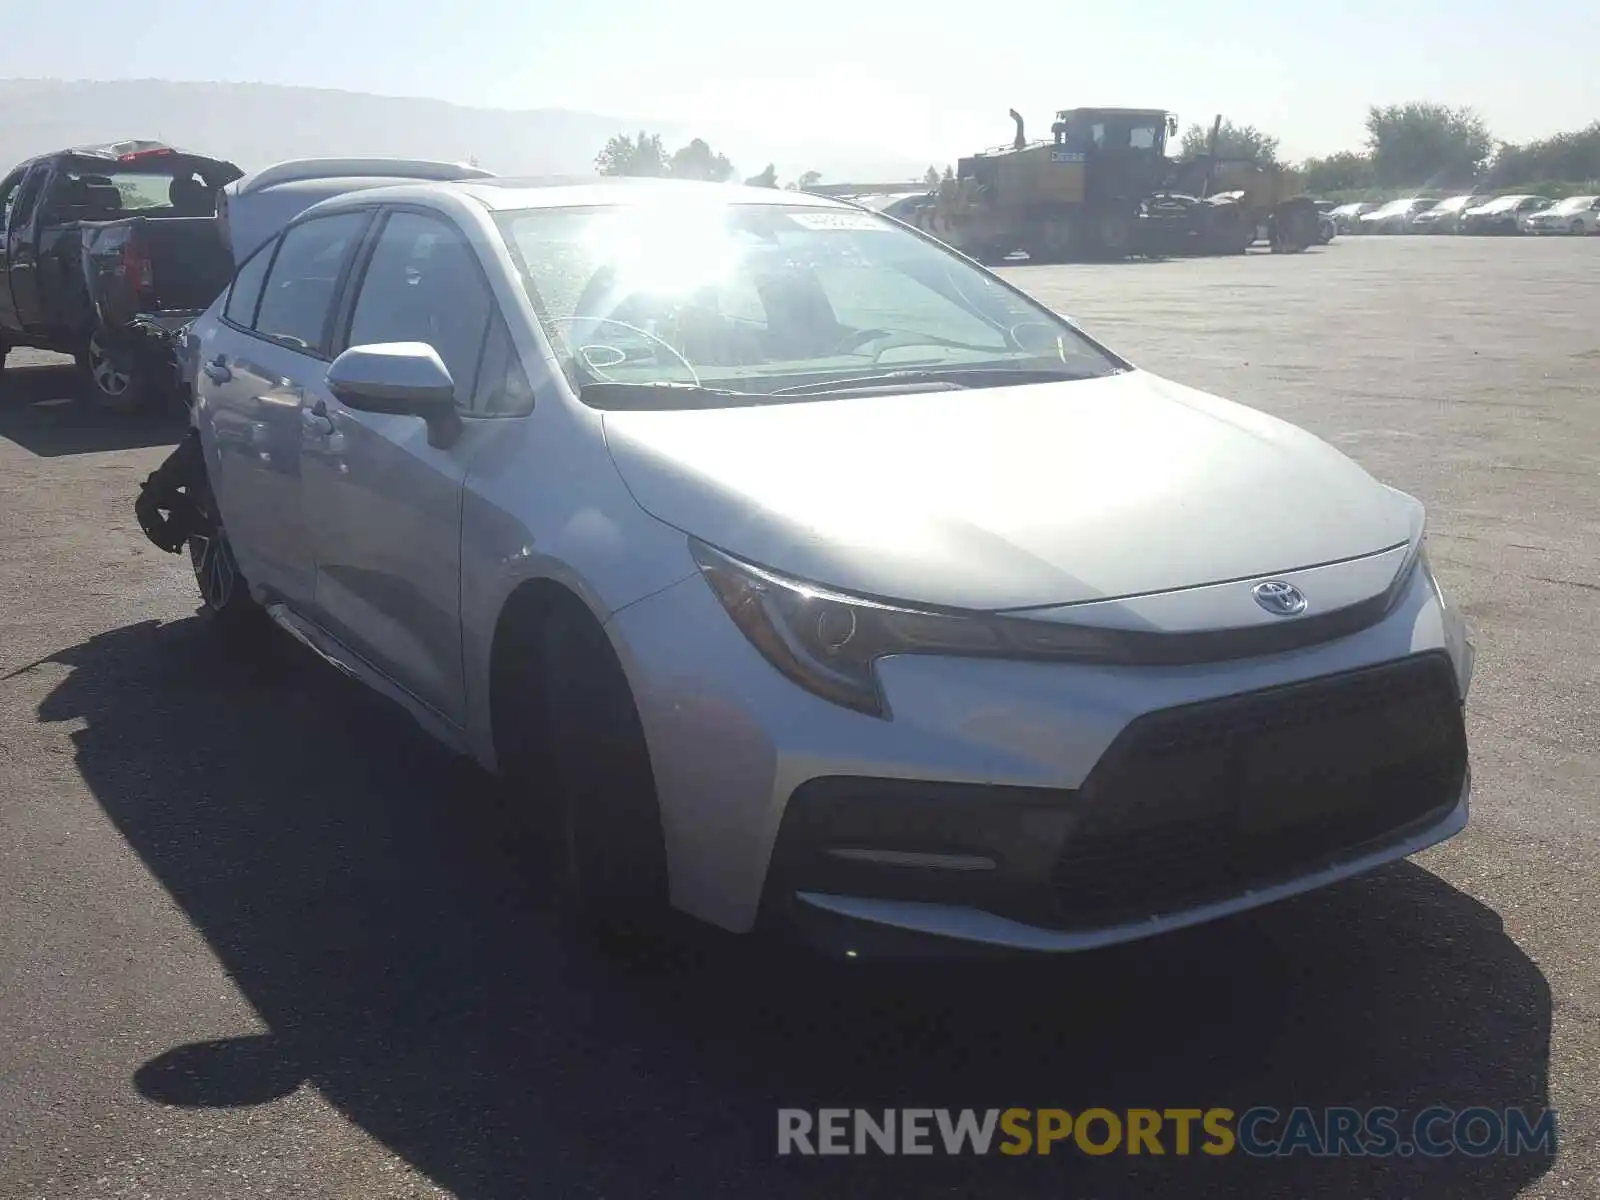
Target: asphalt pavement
[{"x": 260, "y": 937}]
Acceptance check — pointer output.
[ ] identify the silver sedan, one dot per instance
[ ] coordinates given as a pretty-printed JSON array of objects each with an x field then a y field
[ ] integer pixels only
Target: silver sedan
[{"x": 815, "y": 575}]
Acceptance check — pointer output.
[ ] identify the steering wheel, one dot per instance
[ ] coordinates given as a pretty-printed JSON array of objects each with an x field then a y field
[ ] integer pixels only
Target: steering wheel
[
  {"x": 1021, "y": 343},
  {"x": 856, "y": 339},
  {"x": 644, "y": 333},
  {"x": 893, "y": 340}
]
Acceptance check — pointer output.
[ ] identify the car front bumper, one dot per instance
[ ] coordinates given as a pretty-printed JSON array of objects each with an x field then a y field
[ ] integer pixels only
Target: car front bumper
[{"x": 981, "y": 812}]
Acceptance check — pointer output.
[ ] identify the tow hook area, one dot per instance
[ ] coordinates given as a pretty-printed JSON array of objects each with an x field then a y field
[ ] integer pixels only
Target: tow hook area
[{"x": 166, "y": 508}]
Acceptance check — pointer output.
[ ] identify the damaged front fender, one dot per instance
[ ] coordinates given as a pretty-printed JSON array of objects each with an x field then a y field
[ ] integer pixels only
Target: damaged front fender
[{"x": 166, "y": 507}]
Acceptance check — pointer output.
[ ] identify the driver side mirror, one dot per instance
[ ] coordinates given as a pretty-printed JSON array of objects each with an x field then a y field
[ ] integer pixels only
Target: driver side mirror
[{"x": 402, "y": 379}]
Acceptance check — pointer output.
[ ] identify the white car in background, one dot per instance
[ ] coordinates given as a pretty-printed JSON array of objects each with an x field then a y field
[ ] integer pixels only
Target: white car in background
[
  {"x": 1347, "y": 217},
  {"x": 1395, "y": 216},
  {"x": 1445, "y": 216},
  {"x": 1574, "y": 215},
  {"x": 1501, "y": 214},
  {"x": 816, "y": 576}
]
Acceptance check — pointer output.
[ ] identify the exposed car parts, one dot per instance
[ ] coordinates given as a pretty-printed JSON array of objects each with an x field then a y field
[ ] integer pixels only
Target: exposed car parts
[{"x": 166, "y": 508}]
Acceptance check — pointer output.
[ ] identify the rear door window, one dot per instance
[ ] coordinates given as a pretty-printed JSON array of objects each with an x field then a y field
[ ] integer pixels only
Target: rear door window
[{"x": 303, "y": 278}]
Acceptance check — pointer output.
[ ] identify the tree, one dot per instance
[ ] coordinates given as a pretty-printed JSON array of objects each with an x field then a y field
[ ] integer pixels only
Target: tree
[
  {"x": 1572, "y": 157},
  {"x": 932, "y": 177},
  {"x": 698, "y": 161},
  {"x": 624, "y": 155},
  {"x": 1426, "y": 144},
  {"x": 767, "y": 178},
  {"x": 1233, "y": 141},
  {"x": 1341, "y": 172},
  {"x": 808, "y": 179}
]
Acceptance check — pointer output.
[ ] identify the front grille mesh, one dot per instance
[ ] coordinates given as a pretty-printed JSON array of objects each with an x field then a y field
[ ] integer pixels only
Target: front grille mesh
[{"x": 1202, "y": 802}]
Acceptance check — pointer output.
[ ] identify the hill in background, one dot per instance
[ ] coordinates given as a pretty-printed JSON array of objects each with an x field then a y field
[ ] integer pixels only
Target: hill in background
[{"x": 255, "y": 125}]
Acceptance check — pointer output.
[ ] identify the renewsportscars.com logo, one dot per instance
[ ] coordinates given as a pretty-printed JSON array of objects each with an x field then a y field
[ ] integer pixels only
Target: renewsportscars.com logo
[{"x": 1434, "y": 1132}]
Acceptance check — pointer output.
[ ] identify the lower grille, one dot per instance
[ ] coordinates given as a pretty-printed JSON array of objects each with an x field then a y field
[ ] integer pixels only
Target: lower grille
[{"x": 1199, "y": 803}]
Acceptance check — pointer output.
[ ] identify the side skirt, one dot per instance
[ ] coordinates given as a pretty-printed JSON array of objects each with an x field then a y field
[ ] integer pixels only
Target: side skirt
[{"x": 346, "y": 661}]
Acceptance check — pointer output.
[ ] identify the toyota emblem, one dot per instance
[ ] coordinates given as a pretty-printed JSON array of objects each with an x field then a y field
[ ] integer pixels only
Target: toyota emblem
[{"x": 1279, "y": 598}]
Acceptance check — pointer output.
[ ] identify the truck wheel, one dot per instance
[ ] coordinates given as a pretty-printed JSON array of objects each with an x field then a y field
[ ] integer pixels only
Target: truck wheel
[{"x": 114, "y": 376}]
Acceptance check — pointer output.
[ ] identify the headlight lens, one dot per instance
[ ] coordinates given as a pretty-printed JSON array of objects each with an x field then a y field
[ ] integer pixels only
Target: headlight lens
[
  {"x": 1457, "y": 640},
  {"x": 827, "y": 642}
]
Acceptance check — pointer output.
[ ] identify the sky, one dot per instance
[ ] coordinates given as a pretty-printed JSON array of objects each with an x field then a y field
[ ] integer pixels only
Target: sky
[{"x": 932, "y": 79}]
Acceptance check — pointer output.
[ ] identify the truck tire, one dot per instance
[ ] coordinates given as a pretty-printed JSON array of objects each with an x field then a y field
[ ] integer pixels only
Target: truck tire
[{"x": 115, "y": 379}]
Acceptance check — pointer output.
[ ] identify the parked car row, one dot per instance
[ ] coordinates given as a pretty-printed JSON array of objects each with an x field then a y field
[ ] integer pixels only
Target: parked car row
[{"x": 1471, "y": 214}]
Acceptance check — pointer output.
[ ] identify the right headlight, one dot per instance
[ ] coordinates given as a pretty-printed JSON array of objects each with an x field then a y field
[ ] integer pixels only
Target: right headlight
[
  {"x": 827, "y": 641},
  {"x": 1457, "y": 640}
]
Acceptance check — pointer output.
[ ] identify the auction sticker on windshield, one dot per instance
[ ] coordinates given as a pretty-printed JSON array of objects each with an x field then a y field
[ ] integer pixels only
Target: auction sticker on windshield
[{"x": 838, "y": 220}]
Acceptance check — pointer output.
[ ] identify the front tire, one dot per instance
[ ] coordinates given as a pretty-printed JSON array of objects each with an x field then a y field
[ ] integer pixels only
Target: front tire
[{"x": 613, "y": 854}]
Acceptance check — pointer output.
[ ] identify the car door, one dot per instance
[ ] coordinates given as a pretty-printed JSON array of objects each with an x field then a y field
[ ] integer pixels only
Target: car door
[
  {"x": 22, "y": 252},
  {"x": 268, "y": 353},
  {"x": 382, "y": 503}
]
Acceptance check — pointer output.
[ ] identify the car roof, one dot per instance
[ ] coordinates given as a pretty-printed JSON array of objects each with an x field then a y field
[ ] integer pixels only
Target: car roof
[
  {"x": 578, "y": 191},
  {"x": 569, "y": 192}
]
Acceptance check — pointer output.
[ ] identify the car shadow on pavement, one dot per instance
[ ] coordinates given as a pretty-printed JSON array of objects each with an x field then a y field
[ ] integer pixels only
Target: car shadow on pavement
[
  {"x": 43, "y": 410},
  {"x": 381, "y": 905}
]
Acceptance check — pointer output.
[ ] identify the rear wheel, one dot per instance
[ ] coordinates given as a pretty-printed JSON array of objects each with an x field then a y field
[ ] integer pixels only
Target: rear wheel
[{"x": 223, "y": 589}]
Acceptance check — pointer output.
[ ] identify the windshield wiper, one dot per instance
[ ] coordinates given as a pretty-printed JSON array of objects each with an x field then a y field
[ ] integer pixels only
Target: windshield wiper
[
  {"x": 657, "y": 394},
  {"x": 952, "y": 377}
]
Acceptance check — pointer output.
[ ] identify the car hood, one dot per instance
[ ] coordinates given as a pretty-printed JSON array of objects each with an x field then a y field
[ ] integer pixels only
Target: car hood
[{"x": 1011, "y": 497}]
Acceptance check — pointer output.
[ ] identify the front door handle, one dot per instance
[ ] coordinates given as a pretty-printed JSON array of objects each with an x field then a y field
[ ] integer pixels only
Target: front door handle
[
  {"x": 314, "y": 422},
  {"x": 217, "y": 370}
]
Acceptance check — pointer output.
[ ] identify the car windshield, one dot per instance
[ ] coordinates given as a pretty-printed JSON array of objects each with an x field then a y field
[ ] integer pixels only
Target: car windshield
[
  {"x": 771, "y": 300},
  {"x": 1573, "y": 204},
  {"x": 1454, "y": 204},
  {"x": 1503, "y": 204}
]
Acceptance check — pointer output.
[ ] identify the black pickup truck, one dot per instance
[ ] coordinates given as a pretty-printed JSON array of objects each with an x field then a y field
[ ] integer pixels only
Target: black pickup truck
[{"x": 105, "y": 252}]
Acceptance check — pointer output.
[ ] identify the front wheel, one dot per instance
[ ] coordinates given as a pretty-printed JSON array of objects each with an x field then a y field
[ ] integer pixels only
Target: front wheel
[{"x": 614, "y": 873}]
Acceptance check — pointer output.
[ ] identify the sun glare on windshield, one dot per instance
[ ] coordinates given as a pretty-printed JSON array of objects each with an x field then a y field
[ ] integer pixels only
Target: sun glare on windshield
[
  {"x": 665, "y": 250},
  {"x": 771, "y": 299}
]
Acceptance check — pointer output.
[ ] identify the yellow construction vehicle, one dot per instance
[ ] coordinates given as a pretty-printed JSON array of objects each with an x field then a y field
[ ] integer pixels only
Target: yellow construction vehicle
[{"x": 1102, "y": 186}]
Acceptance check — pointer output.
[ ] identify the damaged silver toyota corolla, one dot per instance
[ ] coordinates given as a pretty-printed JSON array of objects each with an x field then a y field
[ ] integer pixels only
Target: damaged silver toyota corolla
[{"x": 824, "y": 578}]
